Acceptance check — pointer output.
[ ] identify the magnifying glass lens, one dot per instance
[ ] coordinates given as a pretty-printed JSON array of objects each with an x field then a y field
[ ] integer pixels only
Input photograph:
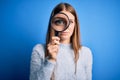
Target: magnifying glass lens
[{"x": 60, "y": 22}]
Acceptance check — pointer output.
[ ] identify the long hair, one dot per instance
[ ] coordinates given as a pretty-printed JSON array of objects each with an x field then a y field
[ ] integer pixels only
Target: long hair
[{"x": 75, "y": 38}]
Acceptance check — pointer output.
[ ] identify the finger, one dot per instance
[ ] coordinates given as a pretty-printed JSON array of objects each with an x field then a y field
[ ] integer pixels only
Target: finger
[
  {"x": 55, "y": 42},
  {"x": 53, "y": 47},
  {"x": 48, "y": 45},
  {"x": 55, "y": 38},
  {"x": 53, "y": 50}
]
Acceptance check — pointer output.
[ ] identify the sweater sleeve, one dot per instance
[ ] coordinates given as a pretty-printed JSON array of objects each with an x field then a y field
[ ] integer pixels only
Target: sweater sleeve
[
  {"x": 40, "y": 68},
  {"x": 89, "y": 62}
]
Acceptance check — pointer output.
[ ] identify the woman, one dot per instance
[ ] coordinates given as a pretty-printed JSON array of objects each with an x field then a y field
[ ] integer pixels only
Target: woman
[{"x": 62, "y": 57}]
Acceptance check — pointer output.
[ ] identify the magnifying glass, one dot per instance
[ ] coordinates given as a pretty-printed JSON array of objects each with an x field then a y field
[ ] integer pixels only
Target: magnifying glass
[{"x": 60, "y": 22}]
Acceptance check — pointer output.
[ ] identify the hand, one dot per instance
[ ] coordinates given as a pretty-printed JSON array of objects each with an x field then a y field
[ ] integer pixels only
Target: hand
[{"x": 53, "y": 48}]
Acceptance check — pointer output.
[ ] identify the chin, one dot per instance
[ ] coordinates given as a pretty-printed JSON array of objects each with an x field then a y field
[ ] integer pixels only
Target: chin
[{"x": 64, "y": 37}]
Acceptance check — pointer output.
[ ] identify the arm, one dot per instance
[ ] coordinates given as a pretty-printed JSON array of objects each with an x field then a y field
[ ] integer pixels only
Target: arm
[
  {"x": 41, "y": 68},
  {"x": 89, "y": 62}
]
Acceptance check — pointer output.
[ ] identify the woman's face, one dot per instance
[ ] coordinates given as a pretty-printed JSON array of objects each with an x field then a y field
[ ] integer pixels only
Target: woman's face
[{"x": 66, "y": 35}]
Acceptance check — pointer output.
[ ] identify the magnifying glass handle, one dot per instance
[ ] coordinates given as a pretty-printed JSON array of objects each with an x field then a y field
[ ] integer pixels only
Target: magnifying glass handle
[{"x": 56, "y": 33}]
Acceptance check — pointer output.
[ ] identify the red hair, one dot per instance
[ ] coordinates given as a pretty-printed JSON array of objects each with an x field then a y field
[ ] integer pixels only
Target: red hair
[{"x": 75, "y": 38}]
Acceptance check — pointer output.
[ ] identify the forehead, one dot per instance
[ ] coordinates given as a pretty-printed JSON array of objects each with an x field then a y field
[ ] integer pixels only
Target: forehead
[{"x": 71, "y": 16}]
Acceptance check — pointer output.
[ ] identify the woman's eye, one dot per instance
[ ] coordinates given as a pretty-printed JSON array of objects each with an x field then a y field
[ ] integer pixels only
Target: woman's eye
[{"x": 59, "y": 22}]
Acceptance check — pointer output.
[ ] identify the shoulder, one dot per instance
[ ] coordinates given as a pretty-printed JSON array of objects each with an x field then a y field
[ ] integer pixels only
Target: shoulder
[
  {"x": 39, "y": 49},
  {"x": 86, "y": 50},
  {"x": 86, "y": 53}
]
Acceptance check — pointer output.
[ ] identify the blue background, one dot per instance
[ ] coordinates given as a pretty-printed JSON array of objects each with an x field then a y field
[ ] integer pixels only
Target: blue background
[{"x": 23, "y": 24}]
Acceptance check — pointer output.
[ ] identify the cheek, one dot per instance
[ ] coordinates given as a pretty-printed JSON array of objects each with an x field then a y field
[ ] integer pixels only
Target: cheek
[{"x": 71, "y": 29}]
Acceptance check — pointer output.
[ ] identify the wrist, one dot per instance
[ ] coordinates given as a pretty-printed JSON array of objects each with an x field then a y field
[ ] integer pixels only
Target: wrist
[{"x": 52, "y": 58}]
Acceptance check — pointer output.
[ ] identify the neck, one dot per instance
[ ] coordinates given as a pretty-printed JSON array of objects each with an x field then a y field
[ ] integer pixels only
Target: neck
[{"x": 65, "y": 41}]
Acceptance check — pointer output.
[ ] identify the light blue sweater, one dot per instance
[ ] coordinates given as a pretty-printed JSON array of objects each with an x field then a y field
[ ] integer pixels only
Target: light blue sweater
[{"x": 64, "y": 68}]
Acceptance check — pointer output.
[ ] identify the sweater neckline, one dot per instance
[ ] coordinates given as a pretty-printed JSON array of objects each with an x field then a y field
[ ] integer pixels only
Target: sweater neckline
[{"x": 66, "y": 45}]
